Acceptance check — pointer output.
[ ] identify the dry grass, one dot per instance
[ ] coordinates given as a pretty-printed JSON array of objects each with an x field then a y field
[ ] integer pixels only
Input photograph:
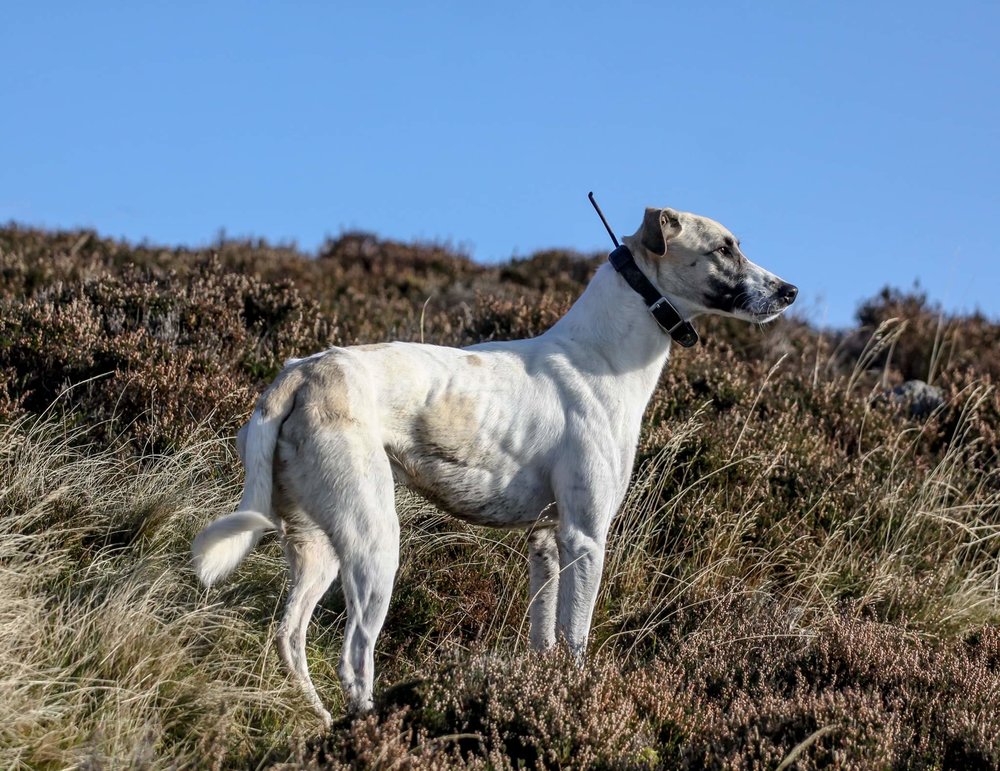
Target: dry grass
[
  {"x": 802, "y": 574},
  {"x": 112, "y": 655}
]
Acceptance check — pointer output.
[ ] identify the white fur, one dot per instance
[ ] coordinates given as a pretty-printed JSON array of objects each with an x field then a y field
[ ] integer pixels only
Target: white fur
[
  {"x": 537, "y": 434},
  {"x": 225, "y": 543}
]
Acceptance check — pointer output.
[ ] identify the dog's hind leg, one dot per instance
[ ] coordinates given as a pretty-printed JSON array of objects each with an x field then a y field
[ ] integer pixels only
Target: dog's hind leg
[
  {"x": 367, "y": 588},
  {"x": 312, "y": 567},
  {"x": 543, "y": 586},
  {"x": 351, "y": 497},
  {"x": 339, "y": 474},
  {"x": 367, "y": 540}
]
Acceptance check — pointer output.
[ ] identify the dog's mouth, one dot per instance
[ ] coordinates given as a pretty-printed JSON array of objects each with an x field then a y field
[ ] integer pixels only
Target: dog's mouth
[
  {"x": 750, "y": 304},
  {"x": 772, "y": 306},
  {"x": 765, "y": 317},
  {"x": 768, "y": 308}
]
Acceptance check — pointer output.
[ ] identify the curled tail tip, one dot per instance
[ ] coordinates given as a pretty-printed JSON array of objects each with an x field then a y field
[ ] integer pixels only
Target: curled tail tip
[
  {"x": 206, "y": 575},
  {"x": 219, "y": 549}
]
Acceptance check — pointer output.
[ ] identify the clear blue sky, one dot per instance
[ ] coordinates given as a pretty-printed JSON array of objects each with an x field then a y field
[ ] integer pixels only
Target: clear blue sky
[{"x": 848, "y": 144}]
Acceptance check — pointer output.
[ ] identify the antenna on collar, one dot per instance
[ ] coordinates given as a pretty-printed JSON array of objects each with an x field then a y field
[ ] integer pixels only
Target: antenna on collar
[
  {"x": 600, "y": 214},
  {"x": 663, "y": 311}
]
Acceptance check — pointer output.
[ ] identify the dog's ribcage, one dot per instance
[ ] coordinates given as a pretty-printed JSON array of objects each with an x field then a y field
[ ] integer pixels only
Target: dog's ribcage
[{"x": 464, "y": 436}]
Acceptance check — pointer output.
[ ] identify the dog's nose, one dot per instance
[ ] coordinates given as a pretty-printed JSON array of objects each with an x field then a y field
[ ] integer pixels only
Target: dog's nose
[{"x": 788, "y": 292}]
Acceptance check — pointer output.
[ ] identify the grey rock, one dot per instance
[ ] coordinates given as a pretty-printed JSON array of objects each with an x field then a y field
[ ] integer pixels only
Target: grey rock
[{"x": 920, "y": 398}]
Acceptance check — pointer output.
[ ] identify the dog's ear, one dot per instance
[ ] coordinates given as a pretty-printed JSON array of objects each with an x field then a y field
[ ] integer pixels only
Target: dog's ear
[{"x": 658, "y": 227}]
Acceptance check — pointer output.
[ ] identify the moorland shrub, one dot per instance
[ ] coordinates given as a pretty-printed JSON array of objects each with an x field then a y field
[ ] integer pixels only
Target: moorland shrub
[
  {"x": 735, "y": 684},
  {"x": 800, "y": 560}
]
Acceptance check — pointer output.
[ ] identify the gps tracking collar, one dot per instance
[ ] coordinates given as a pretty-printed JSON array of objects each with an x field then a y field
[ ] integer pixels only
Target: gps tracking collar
[{"x": 663, "y": 311}]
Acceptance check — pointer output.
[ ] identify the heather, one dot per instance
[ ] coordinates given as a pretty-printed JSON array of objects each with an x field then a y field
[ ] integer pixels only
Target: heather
[{"x": 805, "y": 573}]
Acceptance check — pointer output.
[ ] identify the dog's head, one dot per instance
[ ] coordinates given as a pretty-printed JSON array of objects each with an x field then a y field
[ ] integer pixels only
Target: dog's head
[{"x": 698, "y": 264}]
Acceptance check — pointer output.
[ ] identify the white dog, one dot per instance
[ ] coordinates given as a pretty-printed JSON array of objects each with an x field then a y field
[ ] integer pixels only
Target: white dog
[{"x": 537, "y": 434}]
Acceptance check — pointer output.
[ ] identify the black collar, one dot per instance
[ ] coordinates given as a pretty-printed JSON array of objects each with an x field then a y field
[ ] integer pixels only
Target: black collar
[{"x": 666, "y": 315}]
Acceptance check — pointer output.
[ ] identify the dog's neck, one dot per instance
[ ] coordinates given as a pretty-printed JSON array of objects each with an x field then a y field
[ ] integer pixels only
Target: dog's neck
[{"x": 609, "y": 328}]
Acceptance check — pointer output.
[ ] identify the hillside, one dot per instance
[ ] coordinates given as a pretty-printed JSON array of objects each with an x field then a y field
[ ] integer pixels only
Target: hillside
[{"x": 806, "y": 569}]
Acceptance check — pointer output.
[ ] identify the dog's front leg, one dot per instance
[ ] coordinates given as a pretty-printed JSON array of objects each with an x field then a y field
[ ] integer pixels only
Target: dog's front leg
[
  {"x": 587, "y": 494},
  {"x": 581, "y": 559},
  {"x": 543, "y": 586}
]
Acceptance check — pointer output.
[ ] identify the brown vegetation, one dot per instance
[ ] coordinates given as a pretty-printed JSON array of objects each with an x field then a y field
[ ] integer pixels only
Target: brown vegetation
[{"x": 804, "y": 571}]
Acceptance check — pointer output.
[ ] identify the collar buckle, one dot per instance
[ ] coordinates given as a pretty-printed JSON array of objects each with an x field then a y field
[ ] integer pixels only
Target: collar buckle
[{"x": 674, "y": 328}]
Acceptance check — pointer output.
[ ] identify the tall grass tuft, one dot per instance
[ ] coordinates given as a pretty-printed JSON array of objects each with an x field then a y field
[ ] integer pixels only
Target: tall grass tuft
[{"x": 109, "y": 652}]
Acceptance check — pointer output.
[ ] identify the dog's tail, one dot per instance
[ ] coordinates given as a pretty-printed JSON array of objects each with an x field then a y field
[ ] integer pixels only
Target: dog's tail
[{"x": 224, "y": 544}]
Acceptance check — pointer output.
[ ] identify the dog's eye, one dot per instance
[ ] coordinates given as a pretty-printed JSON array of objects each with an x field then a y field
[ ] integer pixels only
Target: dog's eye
[{"x": 725, "y": 251}]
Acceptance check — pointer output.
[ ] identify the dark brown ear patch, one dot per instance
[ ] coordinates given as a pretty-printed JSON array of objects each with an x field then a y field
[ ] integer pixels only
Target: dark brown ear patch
[{"x": 652, "y": 232}]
